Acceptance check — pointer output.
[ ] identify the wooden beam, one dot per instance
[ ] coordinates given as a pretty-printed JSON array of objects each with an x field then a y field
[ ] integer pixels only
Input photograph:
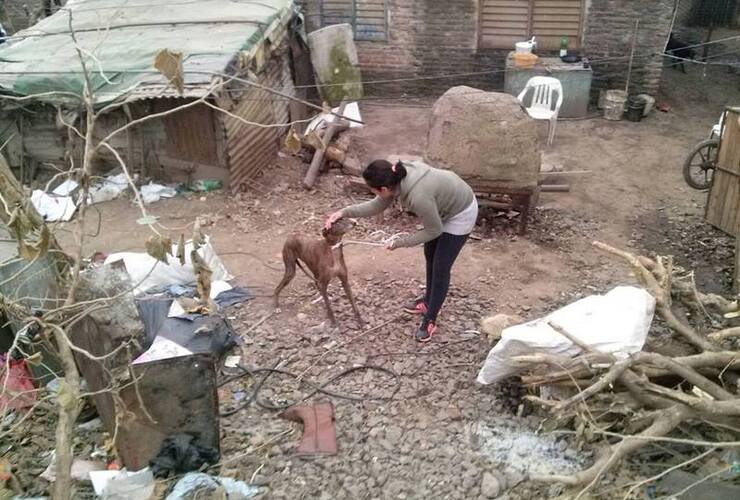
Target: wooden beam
[
  {"x": 318, "y": 158},
  {"x": 737, "y": 264}
]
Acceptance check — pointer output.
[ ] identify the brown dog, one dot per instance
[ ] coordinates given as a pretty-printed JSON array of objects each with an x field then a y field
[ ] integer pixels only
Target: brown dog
[{"x": 324, "y": 258}]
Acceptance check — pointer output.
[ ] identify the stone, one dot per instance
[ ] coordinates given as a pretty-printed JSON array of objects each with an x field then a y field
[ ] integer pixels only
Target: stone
[
  {"x": 484, "y": 137},
  {"x": 513, "y": 477},
  {"x": 490, "y": 486},
  {"x": 454, "y": 414},
  {"x": 494, "y": 325},
  {"x": 394, "y": 434}
]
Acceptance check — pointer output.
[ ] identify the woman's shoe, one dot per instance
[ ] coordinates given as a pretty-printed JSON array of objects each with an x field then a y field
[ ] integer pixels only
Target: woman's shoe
[
  {"x": 416, "y": 306},
  {"x": 426, "y": 331}
]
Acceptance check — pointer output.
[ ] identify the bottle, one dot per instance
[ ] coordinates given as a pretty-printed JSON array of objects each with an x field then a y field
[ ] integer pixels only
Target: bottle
[{"x": 563, "y": 46}]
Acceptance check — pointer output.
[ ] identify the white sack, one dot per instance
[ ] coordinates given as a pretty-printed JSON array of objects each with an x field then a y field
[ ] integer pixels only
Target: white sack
[
  {"x": 152, "y": 193},
  {"x": 146, "y": 272},
  {"x": 351, "y": 110},
  {"x": 615, "y": 323},
  {"x": 53, "y": 208},
  {"x": 110, "y": 189},
  {"x": 66, "y": 188}
]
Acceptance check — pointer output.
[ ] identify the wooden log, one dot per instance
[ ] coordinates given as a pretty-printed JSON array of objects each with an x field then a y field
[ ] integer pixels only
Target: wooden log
[
  {"x": 343, "y": 142},
  {"x": 318, "y": 158},
  {"x": 312, "y": 140},
  {"x": 351, "y": 165},
  {"x": 736, "y": 285},
  {"x": 357, "y": 184},
  {"x": 333, "y": 153}
]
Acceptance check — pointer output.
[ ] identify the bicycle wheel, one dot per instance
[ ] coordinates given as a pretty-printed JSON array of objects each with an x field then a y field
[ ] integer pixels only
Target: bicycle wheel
[{"x": 698, "y": 169}]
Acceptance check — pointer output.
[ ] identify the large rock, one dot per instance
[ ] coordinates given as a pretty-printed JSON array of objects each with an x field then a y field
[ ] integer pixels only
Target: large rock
[{"x": 484, "y": 137}]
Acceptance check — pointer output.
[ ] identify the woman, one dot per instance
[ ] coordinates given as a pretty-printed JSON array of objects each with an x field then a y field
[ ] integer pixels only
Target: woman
[{"x": 447, "y": 208}]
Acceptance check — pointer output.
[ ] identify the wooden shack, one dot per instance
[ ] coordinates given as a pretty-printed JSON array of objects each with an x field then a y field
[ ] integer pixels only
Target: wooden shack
[
  {"x": 723, "y": 205},
  {"x": 252, "y": 46}
]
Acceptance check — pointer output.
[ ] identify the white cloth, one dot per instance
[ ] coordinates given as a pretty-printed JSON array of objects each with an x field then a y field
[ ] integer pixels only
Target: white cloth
[{"x": 462, "y": 223}]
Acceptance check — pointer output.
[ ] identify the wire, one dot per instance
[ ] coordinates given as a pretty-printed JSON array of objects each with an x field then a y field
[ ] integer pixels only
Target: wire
[{"x": 318, "y": 388}]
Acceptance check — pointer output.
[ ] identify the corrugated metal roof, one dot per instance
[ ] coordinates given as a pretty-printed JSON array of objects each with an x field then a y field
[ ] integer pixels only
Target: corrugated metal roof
[{"x": 122, "y": 37}]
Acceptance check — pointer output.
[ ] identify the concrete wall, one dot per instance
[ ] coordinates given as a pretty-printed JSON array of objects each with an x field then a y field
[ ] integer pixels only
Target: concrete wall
[{"x": 432, "y": 37}]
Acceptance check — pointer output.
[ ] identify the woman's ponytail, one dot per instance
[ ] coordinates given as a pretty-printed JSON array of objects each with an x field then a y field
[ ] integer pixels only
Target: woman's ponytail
[
  {"x": 382, "y": 173},
  {"x": 399, "y": 170}
]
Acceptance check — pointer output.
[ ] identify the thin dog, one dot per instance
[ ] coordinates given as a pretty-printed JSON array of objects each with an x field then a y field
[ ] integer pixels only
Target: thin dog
[{"x": 324, "y": 258}]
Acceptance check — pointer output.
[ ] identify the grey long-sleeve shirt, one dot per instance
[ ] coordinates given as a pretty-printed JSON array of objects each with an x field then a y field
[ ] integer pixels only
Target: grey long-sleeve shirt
[{"x": 434, "y": 195}]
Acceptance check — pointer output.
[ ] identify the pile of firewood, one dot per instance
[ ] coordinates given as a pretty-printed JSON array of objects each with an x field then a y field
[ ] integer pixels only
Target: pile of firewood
[
  {"x": 325, "y": 148},
  {"x": 626, "y": 404}
]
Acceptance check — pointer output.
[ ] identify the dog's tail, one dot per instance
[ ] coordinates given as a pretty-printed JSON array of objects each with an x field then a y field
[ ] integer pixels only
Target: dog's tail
[{"x": 311, "y": 277}]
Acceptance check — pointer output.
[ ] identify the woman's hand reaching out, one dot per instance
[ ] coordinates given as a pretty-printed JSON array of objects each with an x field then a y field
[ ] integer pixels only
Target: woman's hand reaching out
[{"x": 332, "y": 219}]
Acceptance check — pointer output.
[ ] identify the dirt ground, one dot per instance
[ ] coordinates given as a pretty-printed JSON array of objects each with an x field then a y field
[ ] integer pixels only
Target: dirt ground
[{"x": 430, "y": 435}]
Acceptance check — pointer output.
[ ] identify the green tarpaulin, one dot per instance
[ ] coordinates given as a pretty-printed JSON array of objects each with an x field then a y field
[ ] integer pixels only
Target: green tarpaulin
[{"x": 119, "y": 40}]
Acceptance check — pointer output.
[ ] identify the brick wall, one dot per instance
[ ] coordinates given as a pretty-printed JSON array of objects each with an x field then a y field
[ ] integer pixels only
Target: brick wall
[
  {"x": 435, "y": 37},
  {"x": 609, "y": 29},
  {"x": 426, "y": 38}
]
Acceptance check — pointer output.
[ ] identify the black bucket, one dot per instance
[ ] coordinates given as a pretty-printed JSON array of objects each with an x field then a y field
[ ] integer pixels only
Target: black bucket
[{"x": 635, "y": 109}]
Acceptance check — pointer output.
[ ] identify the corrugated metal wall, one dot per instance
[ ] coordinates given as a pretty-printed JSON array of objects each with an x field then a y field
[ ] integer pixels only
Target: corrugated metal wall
[
  {"x": 251, "y": 149},
  {"x": 190, "y": 133}
]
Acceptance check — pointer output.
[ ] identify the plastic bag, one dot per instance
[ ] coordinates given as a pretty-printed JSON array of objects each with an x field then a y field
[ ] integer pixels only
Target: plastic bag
[
  {"x": 616, "y": 323},
  {"x": 146, "y": 272}
]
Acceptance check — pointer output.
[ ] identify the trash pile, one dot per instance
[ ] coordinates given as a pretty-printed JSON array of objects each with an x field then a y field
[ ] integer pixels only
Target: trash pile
[
  {"x": 161, "y": 339},
  {"x": 63, "y": 201}
]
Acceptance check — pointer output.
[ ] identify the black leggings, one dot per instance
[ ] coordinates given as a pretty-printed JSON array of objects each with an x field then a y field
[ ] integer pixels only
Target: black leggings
[{"x": 440, "y": 254}]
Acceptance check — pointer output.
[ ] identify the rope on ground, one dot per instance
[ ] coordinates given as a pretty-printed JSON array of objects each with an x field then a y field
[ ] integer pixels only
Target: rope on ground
[
  {"x": 382, "y": 243},
  {"x": 318, "y": 388},
  {"x": 347, "y": 342}
]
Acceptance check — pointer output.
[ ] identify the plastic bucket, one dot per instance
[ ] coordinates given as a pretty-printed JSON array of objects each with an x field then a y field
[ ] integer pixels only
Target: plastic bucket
[
  {"x": 602, "y": 99},
  {"x": 649, "y": 103},
  {"x": 614, "y": 104},
  {"x": 635, "y": 111},
  {"x": 524, "y": 47}
]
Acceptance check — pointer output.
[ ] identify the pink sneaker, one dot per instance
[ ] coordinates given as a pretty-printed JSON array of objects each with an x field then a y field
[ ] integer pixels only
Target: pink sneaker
[
  {"x": 416, "y": 306},
  {"x": 426, "y": 331}
]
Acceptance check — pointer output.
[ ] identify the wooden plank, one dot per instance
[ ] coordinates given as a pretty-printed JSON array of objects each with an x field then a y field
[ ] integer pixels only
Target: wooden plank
[
  {"x": 505, "y": 40},
  {"x": 736, "y": 285},
  {"x": 723, "y": 204},
  {"x": 555, "y": 32},
  {"x": 491, "y": 4},
  {"x": 494, "y": 25},
  {"x": 493, "y": 13},
  {"x": 556, "y": 19},
  {"x": 559, "y": 4}
]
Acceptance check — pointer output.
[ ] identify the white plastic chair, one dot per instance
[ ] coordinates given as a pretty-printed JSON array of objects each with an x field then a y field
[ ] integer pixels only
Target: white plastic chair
[{"x": 542, "y": 101}]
